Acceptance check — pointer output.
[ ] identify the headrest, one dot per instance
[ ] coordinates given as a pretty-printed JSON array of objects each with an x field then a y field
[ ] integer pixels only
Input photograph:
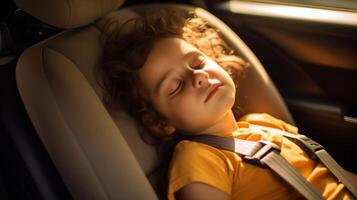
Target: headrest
[{"x": 68, "y": 14}]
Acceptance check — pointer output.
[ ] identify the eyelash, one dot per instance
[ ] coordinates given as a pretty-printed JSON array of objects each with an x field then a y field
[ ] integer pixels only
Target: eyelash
[
  {"x": 177, "y": 89},
  {"x": 199, "y": 66}
]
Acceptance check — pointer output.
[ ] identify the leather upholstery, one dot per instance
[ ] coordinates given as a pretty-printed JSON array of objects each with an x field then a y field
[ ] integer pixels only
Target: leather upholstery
[{"x": 68, "y": 13}]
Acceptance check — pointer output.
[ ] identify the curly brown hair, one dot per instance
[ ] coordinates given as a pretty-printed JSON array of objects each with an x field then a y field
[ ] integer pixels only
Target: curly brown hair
[{"x": 125, "y": 54}]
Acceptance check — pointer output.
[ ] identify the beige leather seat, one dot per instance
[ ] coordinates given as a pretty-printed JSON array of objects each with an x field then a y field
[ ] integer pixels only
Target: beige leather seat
[{"x": 99, "y": 154}]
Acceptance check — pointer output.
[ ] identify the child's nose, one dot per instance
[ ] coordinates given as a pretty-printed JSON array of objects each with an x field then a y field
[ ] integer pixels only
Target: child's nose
[{"x": 200, "y": 78}]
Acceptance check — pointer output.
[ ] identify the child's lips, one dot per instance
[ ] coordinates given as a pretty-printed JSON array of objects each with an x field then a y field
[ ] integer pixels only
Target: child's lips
[{"x": 212, "y": 90}]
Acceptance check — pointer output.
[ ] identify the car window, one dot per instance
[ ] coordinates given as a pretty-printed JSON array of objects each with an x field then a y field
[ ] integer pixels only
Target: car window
[{"x": 350, "y": 5}]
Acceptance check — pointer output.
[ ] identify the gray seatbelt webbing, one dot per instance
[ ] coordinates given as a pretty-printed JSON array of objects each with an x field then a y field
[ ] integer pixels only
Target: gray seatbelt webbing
[
  {"x": 317, "y": 151},
  {"x": 338, "y": 171},
  {"x": 282, "y": 167},
  {"x": 263, "y": 154}
]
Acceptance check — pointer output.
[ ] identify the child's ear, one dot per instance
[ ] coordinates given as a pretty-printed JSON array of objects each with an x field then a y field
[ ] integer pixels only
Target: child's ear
[
  {"x": 160, "y": 129},
  {"x": 168, "y": 129}
]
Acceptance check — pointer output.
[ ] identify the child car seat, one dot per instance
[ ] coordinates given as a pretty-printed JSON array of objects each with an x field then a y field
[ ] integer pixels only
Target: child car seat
[{"x": 98, "y": 153}]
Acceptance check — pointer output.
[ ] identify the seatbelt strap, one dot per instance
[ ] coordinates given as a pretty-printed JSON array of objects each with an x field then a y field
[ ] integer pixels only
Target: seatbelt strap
[
  {"x": 263, "y": 154},
  {"x": 317, "y": 151}
]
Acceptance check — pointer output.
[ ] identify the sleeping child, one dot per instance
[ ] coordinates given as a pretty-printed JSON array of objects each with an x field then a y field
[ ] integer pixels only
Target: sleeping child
[{"x": 176, "y": 76}]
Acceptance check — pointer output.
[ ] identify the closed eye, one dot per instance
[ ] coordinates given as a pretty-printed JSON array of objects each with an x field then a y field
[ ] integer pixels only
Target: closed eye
[
  {"x": 199, "y": 63},
  {"x": 177, "y": 89}
]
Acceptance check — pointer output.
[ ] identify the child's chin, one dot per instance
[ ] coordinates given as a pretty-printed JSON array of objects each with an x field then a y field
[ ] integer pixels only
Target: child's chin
[{"x": 225, "y": 103}]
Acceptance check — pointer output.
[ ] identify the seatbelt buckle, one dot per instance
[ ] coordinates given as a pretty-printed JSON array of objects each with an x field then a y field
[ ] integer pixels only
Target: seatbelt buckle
[
  {"x": 308, "y": 145},
  {"x": 262, "y": 151}
]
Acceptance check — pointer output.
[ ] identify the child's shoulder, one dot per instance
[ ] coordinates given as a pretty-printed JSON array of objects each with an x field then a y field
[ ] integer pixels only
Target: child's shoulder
[
  {"x": 192, "y": 147},
  {"x": 189, "y": 150},
  {"x": 264, "y": 119}
]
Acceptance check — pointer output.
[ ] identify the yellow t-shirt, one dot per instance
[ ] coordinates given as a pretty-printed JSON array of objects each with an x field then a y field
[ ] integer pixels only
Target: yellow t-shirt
[{"x": 224, "y": 170}]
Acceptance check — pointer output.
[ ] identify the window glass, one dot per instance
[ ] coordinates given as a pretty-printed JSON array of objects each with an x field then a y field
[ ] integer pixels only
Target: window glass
[{"x": 350, "y": 5}]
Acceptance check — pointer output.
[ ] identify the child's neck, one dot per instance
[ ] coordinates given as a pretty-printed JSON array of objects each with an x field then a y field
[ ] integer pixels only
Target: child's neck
[{"x": 226, "y": 125}]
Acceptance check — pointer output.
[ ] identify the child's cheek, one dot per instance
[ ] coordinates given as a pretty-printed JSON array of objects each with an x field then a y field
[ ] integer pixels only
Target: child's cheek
[{"x": 186, "y": 104}]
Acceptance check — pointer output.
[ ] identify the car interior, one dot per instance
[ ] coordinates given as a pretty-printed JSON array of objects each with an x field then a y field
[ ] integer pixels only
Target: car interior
[{"x": 59, "y": 141}]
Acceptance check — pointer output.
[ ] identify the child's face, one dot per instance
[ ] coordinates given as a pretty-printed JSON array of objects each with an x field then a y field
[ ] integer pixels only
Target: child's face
[{"x": 189, "y": 89}]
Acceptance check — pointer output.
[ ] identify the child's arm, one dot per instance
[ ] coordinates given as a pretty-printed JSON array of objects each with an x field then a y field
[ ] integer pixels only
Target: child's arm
[
  {"x": 198, "y": 171},
  {"x": 264, "y": 119},
  {"x": 198, "y": 191}
]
